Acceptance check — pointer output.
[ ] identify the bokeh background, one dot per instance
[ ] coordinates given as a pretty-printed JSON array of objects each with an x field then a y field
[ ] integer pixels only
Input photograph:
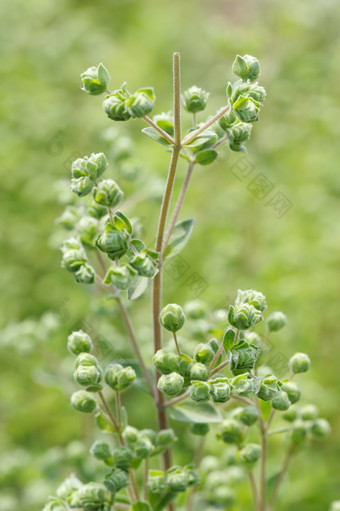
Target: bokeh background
[{"x": 241, "y": 239}]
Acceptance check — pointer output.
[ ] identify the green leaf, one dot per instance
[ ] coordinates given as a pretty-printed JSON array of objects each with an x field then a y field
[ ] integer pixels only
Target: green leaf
[
  {"x": 203, "y": 413},
  {"x": 103, "y": 425},
  {"x": 164, "y": 501},
  {"x": 206, "y": 157},
  {"x": 138, "y": 286},
  {"x": 152, "y": 133},
  {"x": 179, "y": 238},
  {"x": 228, "y": 339},
  {"x": 141, "y": 506},
  {"x": 125, "y": 221}
]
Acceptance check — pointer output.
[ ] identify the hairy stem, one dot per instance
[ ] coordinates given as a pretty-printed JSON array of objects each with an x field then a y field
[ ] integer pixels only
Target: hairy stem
[
  {"x": 157, "y": 281},
  {"x": 189, "y": 138},
  {"x": 254, "y": 490},
  {"x": 280, "y": 478},
  {"x": 263, "y": 461},
  {"x": 178, "y": 205},
  {"x": 219, "y": 367},
  {"x": 157, "y": 128}
]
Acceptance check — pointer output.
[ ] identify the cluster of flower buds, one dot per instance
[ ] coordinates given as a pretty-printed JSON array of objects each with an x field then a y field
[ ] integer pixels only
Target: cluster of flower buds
[
  {"x": 245, "y": 99},
  {"x": 86, "y": 171},
  {"x": 247, "y": 310},
  {"x": 119, "y": 378},
  {"x": 120, "y": 105},
  {"x": 146, "y": 442},
  {"x": 195, "y": 99},
  {"x": 175, "y": 480},
  {"x": 74, "y": 259},
  {"x": 306, "y": 424}
]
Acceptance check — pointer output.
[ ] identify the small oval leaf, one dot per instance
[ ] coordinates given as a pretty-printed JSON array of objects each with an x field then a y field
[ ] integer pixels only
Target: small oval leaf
[
  {"x": 179, "y": 238},
  {"x": 203, "y": 413},
  {"x": 206, "y": 157}
]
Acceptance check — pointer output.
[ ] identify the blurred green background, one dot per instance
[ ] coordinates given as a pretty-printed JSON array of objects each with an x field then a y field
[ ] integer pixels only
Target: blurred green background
[{"x": 240, "y": 240}]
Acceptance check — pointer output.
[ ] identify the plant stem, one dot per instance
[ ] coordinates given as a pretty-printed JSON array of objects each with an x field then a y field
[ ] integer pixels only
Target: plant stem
[
  {"x": 263, "y": 463},
  {"x": 270, "y": 419},
  {"x": 110, "y": 414},
  {"x": 118, "y": 409},
  {"x": 280, "y": 478},
  {"x": 217, "y": 354},
  {"x": 132, "y": 336},
  {"x": 145, "y": 482},
  {"x": 189, "y": 138},
  {"x": 219, "y": 367},
  {"x": 175, "y": 400},
  {"x": 157, "y": 281},
  {"x": 178, "y": 205},
  {"x": 176, "y": 343},
  {"x": 157, "y": 128},
  {"x": 254, "y": 490}
]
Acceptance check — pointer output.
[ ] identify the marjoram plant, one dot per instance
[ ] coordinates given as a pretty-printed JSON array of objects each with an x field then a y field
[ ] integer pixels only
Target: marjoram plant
[{"x": 213, "y": 376}]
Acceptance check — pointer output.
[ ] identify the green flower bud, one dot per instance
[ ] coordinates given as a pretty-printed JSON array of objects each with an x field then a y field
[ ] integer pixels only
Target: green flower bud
[
  {"x": 220, "y": 391},
  {"x": 87, "y": 375},
  {"x": 176, "y": 479},
  {"x": 166, "y": 437},
  {"x": 87, "y": 230},
  {"x": 115, "y": 104},
  {"x": 227, "y": 120},
  {"x": 184, "y": 368},
  {"x": 67, "y": 487},
  {"x": 116, "y": 480},
  {"x": 320, "y": 428},
  {"x": 204, "y": 353},
  {"x": 244, "y": 316},
  {"x": 292, "y": 390},
  {"x": 171, "y": 384},
  {"x": 233, "y": 432},
  {"x": 243, "y": 357},
  {"x": 95, "y": 210},
  {"x": 299, "y": 363},
  {"x": 69, "y": 218},
  {"x": 100, "y": 450},
  {"x": 165, "y": 121},
  {"x": 172, "y": 317},
  {"x": 82, "y": 401},
  {"x": 247, "y": 109},
  {"x": 120, "y": 276},
  {"x": 79, "y": 342},
  {"x": 82, "y": 186},
  {"x": 55, "y": 504},
  {"x": 73, "y": 259},
  {"x": 122, "y": 458},
  {"x": 113, "y": 241},
  {"x": 224, "y": 495},
  {"x": 199, "y": 372},
  {"x": 130, "y": 435},
  {"x": 107, "y": 193},
  {"x": 111, "y": 374},
  {"x": 276, "y": 321},
  {"x": 197, "y": 309},
  {"x": 85, "y": 359},
  {"x": 299, "y": 432},
  {"x": 309, "y": 412},
  {"x": 166, "y": 362},
  {"x": 195, "y": 99},
  {"x": 281, "y": 401},
  {"x": 85, "y": 274},
  {"x": 143, "y": 448},
  {"x": 252, "y": 297},
  {"x": 254, "y": 338},
  {"x": 141, "y": 102},
  {"x": 290, "y": 415},
  {"x": 268, "y": 388},
  {"x": 237, "y": 134},
  {"x": 90, "y": 496},
  {"x": 250, "y": 90},
  {"x": 246, "y": 67},
  {"x": 89, "y": 166},
  {"x": 199, "y": 429},
  {"x": 95, "y": 80},
  {"x": 250, "y": 454},
  {"x": 192, "y": 475},
  {"x": 247, "y": 415},
  {"x": 199, "y": 391},
  {"x": 156, "y": 481},
  {"x": 144, "y": 264},
  {"x": 150, "y": 434}
]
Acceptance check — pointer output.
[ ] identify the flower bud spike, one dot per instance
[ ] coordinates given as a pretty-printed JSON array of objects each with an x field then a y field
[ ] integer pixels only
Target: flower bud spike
[{"x": 95, "y": 80}]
